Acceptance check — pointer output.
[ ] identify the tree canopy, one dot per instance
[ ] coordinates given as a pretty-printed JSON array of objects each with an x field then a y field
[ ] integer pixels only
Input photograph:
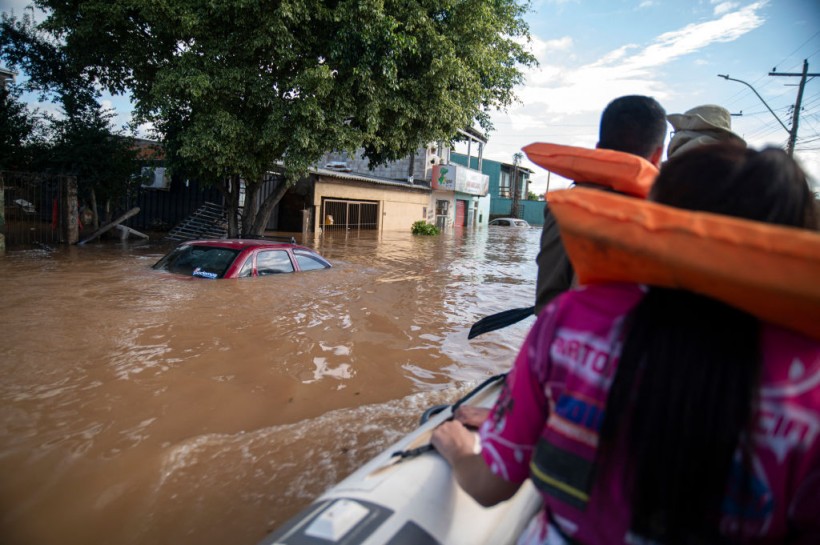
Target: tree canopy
[
  {"x": 81, "y": 141},
  {"x": 236, "y": 86},
  {"x": 17, "y": 131}
]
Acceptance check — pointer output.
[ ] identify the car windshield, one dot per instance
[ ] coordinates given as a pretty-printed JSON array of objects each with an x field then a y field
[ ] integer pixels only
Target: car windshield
[{"x": 202, "y": 261}]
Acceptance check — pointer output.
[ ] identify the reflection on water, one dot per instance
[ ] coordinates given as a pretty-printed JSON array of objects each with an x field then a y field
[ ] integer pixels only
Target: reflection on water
[{"x": 142, "y": 407}]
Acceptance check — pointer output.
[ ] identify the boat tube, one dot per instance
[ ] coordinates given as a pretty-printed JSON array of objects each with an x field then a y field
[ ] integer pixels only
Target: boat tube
[{"x": 407, "y": 495}]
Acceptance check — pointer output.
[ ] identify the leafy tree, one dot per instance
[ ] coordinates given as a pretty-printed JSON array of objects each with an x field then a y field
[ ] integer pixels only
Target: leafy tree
[
  {"x": 18, "y": 132},
  {"x": 82, "y": 141},
  {"x": 104, "y": 161},
  {"x": 237, "y": 88},
  {"x": 532, "y": 196}
]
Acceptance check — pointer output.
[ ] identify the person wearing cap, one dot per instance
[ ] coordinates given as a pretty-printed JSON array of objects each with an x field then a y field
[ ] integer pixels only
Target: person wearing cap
[{"x": 706, "y": 124}]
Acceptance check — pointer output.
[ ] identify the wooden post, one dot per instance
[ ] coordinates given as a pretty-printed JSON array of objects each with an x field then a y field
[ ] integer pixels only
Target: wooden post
[
  {"x": 125, "y": 231},
  {"x": 133, "y": 212},
  {"x": 96, "y": 222},
  {"x": 305, "y": 225}
]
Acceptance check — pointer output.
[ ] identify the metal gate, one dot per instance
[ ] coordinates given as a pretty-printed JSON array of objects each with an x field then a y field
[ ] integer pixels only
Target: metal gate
[
  {"x": 346, "y": 215},
  {"x": 33, "y": 208}
]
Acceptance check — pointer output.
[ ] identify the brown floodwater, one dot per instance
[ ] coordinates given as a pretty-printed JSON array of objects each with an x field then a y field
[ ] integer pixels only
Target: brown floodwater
[{"x": 141, "y": 407}]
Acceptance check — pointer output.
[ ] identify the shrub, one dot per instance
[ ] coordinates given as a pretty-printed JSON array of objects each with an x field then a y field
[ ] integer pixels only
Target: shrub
[{"x": 421, "y": 227}]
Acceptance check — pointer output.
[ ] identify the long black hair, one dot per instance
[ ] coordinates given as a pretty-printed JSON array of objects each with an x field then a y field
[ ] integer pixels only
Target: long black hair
[{"x": 685, "y": 389}]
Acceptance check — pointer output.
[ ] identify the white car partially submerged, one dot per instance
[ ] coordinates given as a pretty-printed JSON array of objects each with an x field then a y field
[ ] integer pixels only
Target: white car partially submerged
[{"x": 510, "y": 222}]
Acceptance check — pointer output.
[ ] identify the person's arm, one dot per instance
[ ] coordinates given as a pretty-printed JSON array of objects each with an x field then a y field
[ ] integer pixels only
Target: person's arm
[{"x": 457, "y": 445}]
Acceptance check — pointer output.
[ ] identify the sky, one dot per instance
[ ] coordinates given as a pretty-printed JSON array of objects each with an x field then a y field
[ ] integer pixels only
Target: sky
[{"x": 593, "y": 51}]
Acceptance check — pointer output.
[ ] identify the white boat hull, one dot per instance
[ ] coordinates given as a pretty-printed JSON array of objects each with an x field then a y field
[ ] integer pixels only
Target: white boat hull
[{"x": 412, "y": 501}]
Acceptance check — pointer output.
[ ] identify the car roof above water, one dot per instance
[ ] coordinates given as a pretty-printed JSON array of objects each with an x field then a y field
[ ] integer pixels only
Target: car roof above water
[{"x": 242, "y": 243}]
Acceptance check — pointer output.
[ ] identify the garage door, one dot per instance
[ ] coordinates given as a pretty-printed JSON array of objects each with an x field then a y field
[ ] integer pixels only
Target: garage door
[{"x": 346, "y": 215}]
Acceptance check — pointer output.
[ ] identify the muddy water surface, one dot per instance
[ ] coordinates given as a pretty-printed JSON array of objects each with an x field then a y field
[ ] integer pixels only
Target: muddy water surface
[{"x": 140, "y": 407}]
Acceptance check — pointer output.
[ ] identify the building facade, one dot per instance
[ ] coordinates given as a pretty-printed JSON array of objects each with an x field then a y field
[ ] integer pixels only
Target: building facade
[{"x": 347, "y": 193}]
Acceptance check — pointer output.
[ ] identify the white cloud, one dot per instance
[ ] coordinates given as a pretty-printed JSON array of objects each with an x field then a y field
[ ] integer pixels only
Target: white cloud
[
  {"x": 628, "y": 69},
  {"x": 722, "y": 7},
  {"x": 540, "y": 48},
  {"x": 560, "y": 93}
]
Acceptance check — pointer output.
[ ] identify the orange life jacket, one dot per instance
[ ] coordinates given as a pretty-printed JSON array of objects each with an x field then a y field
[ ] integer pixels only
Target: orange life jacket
[
  {"x": 622, "y": 172},
  {"x": 770, "y": 271}
]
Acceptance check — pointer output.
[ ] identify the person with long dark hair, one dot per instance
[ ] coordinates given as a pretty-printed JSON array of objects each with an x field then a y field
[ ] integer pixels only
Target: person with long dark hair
[{"x": 650, "y": 414}]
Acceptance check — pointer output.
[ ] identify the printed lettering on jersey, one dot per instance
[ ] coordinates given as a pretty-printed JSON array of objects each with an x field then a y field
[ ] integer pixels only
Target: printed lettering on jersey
[
  {"x": 586, "y": 354},
  {"x": 577, "y": 417},
  {"x": 784, "y": 428}
]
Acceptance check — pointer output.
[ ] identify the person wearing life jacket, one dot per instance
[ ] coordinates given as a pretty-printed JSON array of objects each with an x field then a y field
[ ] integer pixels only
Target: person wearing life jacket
[
  {"x": 632, "y": 127},
  {"x": 674, "y": 396}
]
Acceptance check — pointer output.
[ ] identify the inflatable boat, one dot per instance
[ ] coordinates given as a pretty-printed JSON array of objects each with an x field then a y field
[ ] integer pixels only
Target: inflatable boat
[{"x": 406, "y": 495}]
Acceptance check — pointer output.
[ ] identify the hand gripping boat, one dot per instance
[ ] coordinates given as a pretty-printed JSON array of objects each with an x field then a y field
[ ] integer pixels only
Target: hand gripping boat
[{"x": 407, "y": 496}]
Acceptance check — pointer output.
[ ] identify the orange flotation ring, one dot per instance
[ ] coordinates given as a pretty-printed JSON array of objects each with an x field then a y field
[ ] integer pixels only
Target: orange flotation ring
[
  {"x": 770, "y": 271},
  {"x": 622, "y": 172}
]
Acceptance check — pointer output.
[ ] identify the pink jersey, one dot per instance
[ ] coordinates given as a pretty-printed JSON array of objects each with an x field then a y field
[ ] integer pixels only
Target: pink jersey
[{"x": 545, "y": 426}]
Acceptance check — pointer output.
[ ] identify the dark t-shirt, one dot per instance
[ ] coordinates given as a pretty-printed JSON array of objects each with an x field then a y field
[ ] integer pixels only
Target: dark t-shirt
[{"x": 555, "y": 272}]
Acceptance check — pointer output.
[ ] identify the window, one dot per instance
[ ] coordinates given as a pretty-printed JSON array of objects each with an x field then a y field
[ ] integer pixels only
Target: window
[
  {"x": 273, "y": 262},
  {"x": 247, "y": 268},
  {"x": 308, "y": 262},
  {"x": 442, "y": 208},
  {"x": 504, "y": 186},
  {"x": 203, "y": 261}
]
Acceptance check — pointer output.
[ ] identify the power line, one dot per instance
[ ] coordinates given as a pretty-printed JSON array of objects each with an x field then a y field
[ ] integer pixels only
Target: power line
[{"x": 810, "y": 38}]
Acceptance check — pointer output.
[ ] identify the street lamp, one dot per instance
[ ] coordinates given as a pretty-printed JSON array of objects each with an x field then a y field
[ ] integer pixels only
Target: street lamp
[{"x": 726, "y": 77}]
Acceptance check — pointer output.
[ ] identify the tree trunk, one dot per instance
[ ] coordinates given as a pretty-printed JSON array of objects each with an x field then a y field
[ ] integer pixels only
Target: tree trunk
[
  {"x": 265, "y": 210},
  {"x": 232, "y": 205},
  {"x": 250, "y": 208}
]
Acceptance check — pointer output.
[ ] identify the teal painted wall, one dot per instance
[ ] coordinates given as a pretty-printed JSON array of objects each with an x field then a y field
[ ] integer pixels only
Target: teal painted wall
[
  {"x": 532, "y": 211},
  {"x": 488, "y": 166}
]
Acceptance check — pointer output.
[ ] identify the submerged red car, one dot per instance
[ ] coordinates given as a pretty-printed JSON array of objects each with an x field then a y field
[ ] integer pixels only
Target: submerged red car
[{"x": 240, "y": 258}]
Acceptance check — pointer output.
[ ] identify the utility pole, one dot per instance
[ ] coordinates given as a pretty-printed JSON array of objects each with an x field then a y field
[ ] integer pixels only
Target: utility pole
[
  {"x": 515, "y": 197},
  {"x": 798, "y": 102},
  {"x": 793, "y": 131}
]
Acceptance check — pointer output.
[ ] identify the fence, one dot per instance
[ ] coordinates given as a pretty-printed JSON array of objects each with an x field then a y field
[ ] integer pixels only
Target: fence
[{"x": 38, "y": 209}]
